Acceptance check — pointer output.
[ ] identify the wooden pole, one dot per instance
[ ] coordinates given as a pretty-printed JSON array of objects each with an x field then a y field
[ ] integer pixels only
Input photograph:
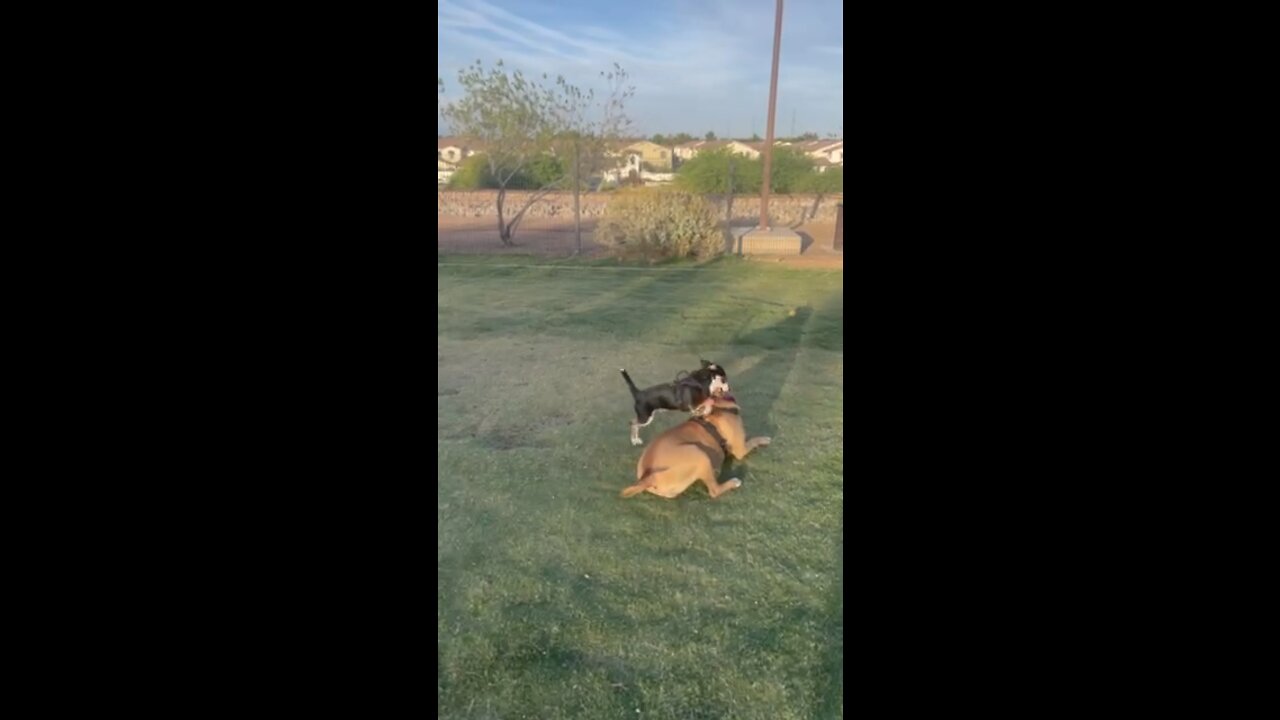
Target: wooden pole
[{"x": 773, "y": 102}]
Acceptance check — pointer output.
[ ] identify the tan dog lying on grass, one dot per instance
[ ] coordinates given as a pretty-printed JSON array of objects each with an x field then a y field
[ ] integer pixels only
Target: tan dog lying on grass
[{"x": 695, "y": 450}]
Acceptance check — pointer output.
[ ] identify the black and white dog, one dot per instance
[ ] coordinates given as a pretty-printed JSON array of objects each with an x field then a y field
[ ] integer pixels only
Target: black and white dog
[{"x": 686, "y": 393}]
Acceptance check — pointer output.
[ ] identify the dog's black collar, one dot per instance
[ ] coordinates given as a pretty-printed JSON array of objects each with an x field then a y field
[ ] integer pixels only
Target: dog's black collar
[{"x": 715, "y": 434}]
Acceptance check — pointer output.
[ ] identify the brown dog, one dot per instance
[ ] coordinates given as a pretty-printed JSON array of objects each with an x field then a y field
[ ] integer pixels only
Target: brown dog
[{"x": 695, "y": 450}]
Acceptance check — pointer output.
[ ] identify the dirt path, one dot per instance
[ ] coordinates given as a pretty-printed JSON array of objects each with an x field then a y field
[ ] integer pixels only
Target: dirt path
[{"x": 534, "y": 236}]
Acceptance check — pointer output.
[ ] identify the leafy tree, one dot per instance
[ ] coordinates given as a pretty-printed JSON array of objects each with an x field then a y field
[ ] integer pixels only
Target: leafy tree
[
  {"x": 821, "y": 184},
  {"x": 472, "y": 174},
  {"x": 831, "y": 181},
  {"x": 541, "y": 171},
  {"x": 710, "y": 135},
  {"x": 681, "y": 138},
  {"x": 789, "y": 171},
  {"x": 520, "y": 122},
  {"x": 710, "y": 170},
  {"x": 660, "y": 139}
]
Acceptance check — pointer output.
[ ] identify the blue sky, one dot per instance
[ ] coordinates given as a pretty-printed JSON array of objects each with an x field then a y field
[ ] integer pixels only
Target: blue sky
[{"x": 697, "y": 65}]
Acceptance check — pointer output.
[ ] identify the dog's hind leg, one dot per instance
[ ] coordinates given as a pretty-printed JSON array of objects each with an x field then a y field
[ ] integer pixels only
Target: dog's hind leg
[
  {"x": 644, "y": 481},
  {"x": 707, "y": 474},
  {"x": 635, "y": 428}
]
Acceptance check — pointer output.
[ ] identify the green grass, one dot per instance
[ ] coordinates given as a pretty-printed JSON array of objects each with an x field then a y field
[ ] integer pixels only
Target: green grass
[{"x": 557, "y": 598}]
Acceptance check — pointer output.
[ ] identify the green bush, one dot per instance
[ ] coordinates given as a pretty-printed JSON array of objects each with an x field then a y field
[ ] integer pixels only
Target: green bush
[
  {"x": 474, "y": 174},
  {"x": 708, "y": 172},
  {"x": 791, "y": 171},
  {"x": 831, "y": 181},
  {"x": 655, "y": 223}
]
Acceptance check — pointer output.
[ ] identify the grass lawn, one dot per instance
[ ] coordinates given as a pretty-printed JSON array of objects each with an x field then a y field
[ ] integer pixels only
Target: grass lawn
[{"x": 559, "y": 599}]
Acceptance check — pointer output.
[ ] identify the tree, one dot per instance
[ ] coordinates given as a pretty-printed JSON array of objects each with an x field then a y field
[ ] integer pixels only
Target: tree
[
  {"x": 681, "y": 138},
  {"x": 520, "y": 122},
  {"x": 660, "y": 139},
  {"x": 831, "y": 181},
  {"x": 790, "y": 171},
  {"x": 709, "y": 172},
  {"x": 710, "y": 135},
  {"x": 472, "y": 174}
]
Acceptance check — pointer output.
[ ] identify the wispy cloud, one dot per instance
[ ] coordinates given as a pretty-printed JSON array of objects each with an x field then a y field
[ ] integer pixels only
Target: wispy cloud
[{"x": 696, "y": 66}]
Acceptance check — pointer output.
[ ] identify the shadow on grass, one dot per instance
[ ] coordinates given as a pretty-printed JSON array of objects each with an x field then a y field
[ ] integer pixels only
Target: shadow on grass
[{"x": 763, "y": 383}]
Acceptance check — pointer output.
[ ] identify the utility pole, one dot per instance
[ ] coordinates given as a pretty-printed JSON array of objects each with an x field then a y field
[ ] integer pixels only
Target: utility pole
[{"x": 773, "y": 103}]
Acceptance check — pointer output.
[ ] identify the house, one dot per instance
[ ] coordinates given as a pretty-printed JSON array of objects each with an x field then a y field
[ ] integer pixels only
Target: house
[
  {"x": 822, "y": 164},
  {"x": 444, "y": 171},
  {"x": 450, "y": 152},
  {"x": 830, "y": 150},
  {"x": 690, "y": 150},
  {"x": 454, "y": 150},
  {"x": 657, "y": 156},
  {"x": 633, "y": 166}
]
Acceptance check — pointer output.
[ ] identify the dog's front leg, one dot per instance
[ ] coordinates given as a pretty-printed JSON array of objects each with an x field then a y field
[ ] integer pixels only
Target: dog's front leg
[
  {"x": 704, "y": 408},
  {"x": 740, "y": 451}
]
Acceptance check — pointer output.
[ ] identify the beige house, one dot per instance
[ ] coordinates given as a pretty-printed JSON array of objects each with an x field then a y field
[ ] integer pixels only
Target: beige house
[{"x": 652, "y": 153}]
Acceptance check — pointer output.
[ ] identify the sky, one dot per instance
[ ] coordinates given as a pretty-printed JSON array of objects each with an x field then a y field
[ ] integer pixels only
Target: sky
[{"x": 696, "y": 65}]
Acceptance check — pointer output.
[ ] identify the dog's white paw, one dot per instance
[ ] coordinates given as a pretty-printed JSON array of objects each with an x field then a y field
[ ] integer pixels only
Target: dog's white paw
[
  {"x": 734, "y": 482},
  {"x": 637, "y": 441},
  {"x": 764, "y": 441}
]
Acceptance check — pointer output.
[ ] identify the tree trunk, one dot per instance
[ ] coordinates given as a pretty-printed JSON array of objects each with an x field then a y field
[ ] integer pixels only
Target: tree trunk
[{"x": 504, "y": 231}]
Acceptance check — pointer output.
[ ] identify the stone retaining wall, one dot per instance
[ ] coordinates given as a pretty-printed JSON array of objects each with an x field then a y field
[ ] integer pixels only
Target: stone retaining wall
[{"x": 783, "y": 209}]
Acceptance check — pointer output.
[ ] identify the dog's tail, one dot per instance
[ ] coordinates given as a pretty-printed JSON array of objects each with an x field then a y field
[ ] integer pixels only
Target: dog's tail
[
  {"x": 634, "y": 390},
  {"x": 635, "y": 489},
  {"x": 644, "y": 483}
]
